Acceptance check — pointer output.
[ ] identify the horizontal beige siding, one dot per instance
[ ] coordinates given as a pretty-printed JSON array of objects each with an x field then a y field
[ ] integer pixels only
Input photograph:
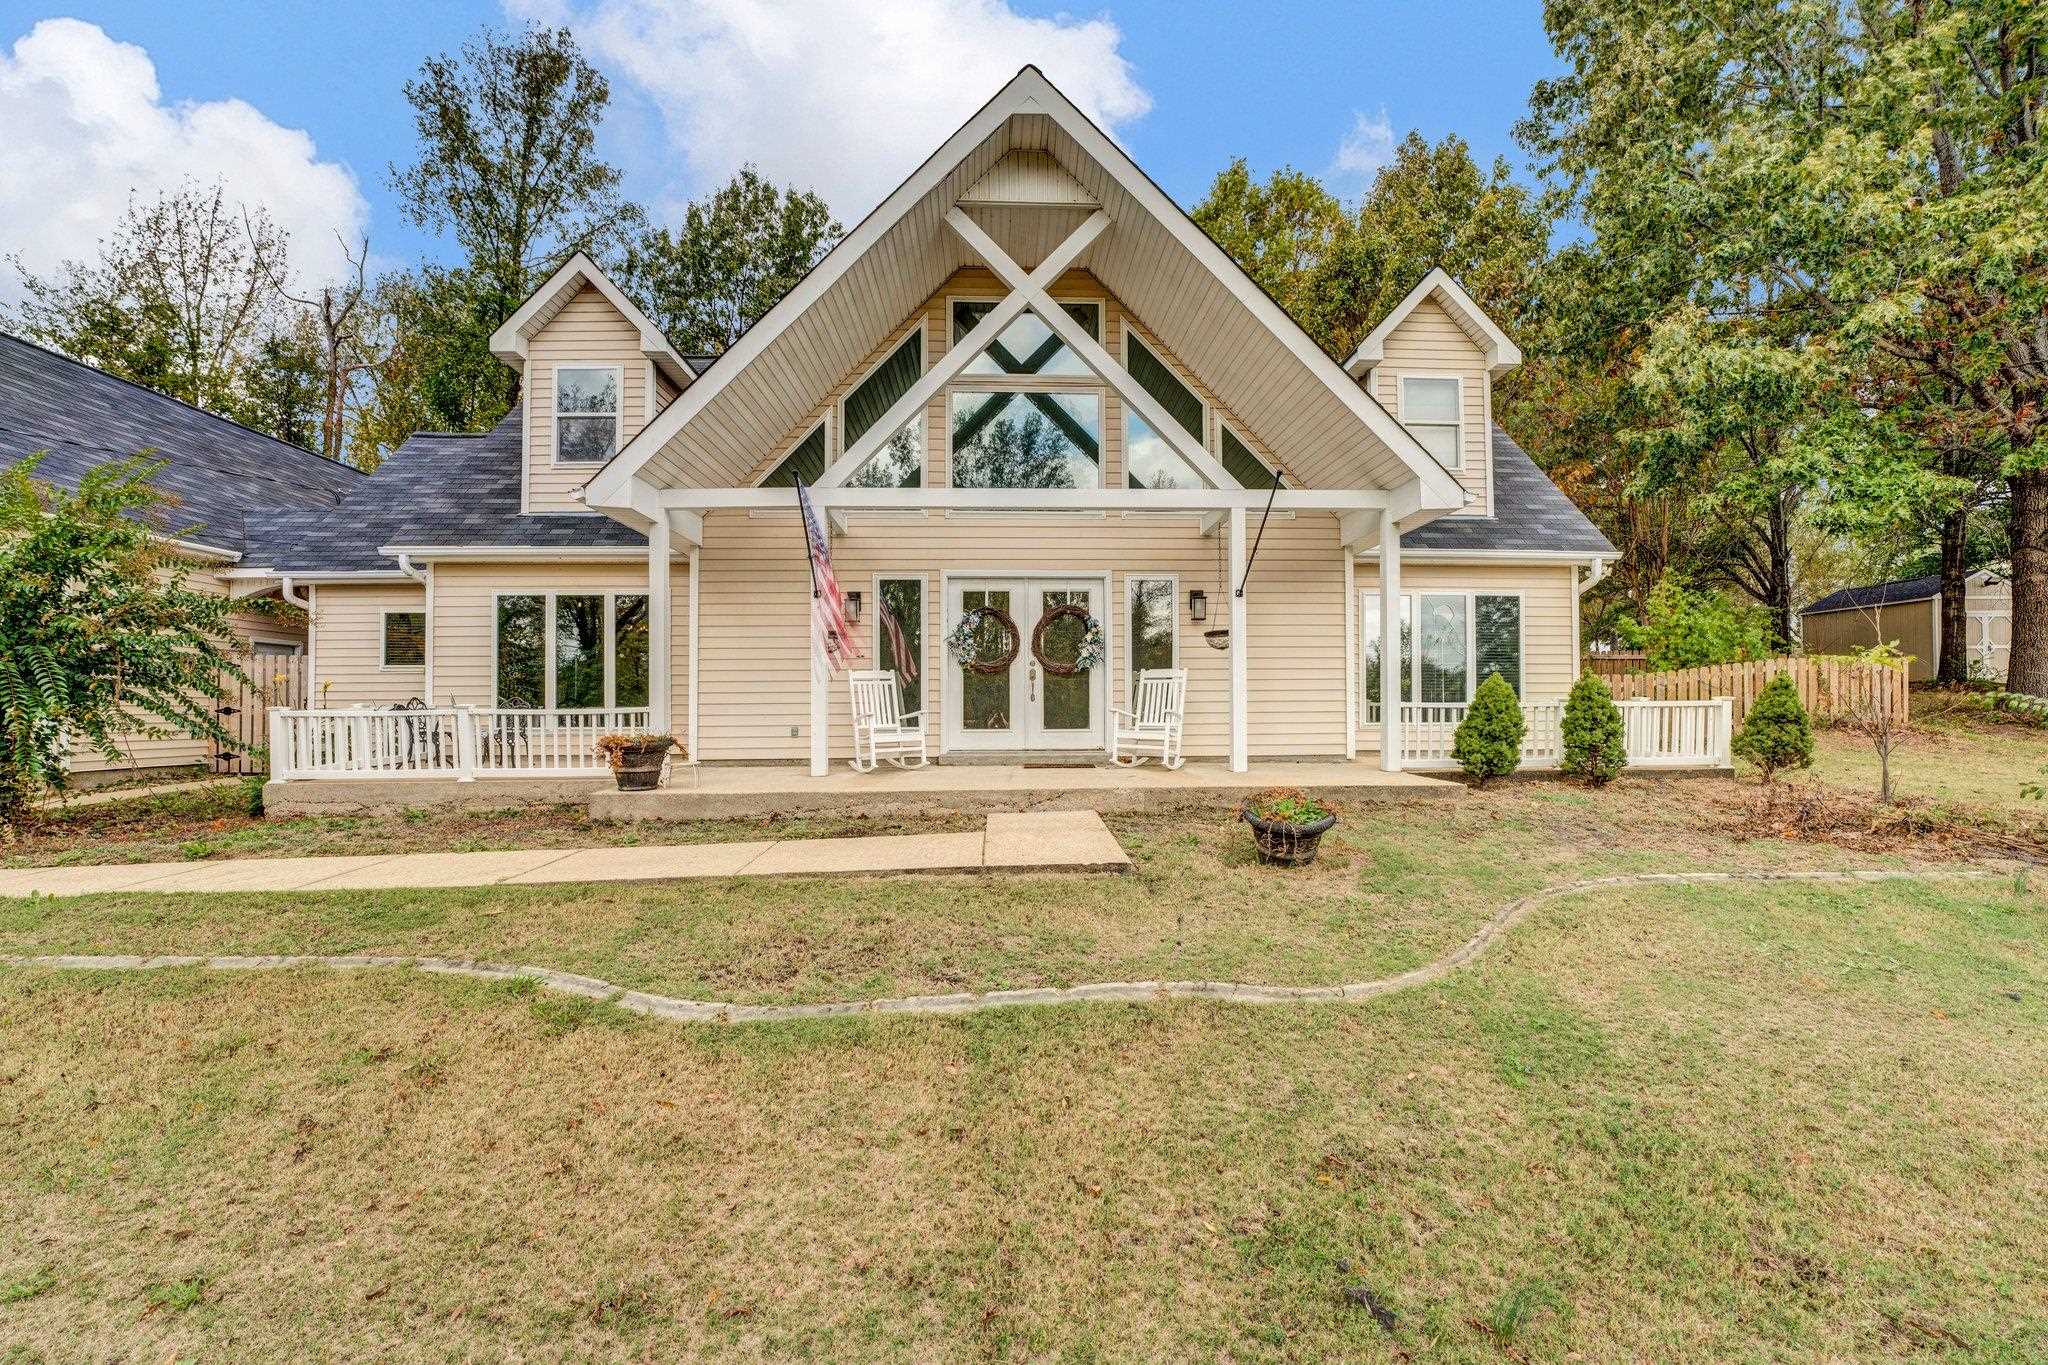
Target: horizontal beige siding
[
  {"x": 934, "y": 318},
  {"x": 465, "y": 621},
  {"x": 348, "y": 644},
  {"x": 755, "y": 600},
  {"x": 1429, "y": 342},
  {"x": 1549, "y": 658},
  {"x": 588, "y": 331},
  {"x": 181, "y": 751}
]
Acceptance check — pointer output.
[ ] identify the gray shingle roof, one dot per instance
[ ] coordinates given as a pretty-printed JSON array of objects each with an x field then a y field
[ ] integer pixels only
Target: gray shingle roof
[
  {"x": 1530, "y": 513},
  {"x": 218, "y": 471},
  {"x": 436, "y": 489},
  {"x": 1879, "y": 594}
]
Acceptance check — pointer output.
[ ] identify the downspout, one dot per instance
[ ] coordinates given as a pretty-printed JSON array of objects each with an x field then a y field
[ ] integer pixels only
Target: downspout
[
  {"x": 290, "y": 594},
  {"x": 426, "y": 580},
  {"x": 1579, "y": 589}
]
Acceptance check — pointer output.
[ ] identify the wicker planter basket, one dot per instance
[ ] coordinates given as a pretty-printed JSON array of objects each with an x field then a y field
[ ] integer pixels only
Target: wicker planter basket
[
  {"x": 1283, "y": 844},
  {"x": 636, "y": 760}
]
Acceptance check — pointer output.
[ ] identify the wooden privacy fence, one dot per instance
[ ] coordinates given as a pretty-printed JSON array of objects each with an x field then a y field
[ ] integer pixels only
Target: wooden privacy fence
[
  {"x": 276, "y": 681},
  {"x": 1829, "y": 688},
  {"x": 1615, "y": 662}
]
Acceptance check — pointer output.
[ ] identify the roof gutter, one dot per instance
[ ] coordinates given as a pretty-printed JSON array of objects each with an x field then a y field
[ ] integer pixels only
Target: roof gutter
[
  {"x": 1599, "y": 572},
  {"x": 405, "y": 567},
  {"x": 405, "y": 553},
  {"x": 291, "y": 595}
]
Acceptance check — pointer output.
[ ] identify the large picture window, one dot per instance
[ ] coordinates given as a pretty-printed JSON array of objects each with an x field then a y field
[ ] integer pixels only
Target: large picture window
[
  {"x": 899, "y": 637},
  {"x": 571, "y": 651},
  {"x": 1154, "y": 626},
  {"x": 1430, "y": 411},
  {"x": 586, "y": 413},
  {"x": 1450, "y": 643},
  {"x": 1025, "y": 439}
]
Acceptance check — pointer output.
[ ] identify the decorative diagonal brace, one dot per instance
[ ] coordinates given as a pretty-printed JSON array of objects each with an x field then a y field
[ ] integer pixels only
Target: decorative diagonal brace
[
  {"x": 1032, "y": 290},
  {"x": 962, "y": 354}
]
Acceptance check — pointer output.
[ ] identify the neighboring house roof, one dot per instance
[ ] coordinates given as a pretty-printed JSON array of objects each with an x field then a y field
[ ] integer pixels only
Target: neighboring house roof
[
  {"x": 1879, "y": 595},
  {"x": 1530, "y": 513},
  {"x": 1501, "y": 353},
  {"x": 219, "y": 471},
  {"x": 439, "y": 488}
]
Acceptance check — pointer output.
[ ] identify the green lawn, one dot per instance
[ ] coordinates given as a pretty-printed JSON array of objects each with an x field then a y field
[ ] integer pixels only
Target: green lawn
[
  {"x": 1950, "y": 759},
  {"x": 1753, "y": 1120}
]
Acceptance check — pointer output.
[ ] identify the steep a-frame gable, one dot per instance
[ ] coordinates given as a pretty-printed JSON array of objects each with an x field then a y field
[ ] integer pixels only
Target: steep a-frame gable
[{"x": 1144, "y": 249}]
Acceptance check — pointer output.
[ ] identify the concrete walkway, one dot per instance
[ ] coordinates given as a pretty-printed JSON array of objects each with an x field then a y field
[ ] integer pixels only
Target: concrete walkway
[
  {"x": 1120, "y": 992},
  {"x": 1045, "y": 841}
]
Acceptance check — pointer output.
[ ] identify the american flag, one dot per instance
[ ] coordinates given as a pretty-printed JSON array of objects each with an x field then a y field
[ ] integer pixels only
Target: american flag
[
  {"x": 828, "y": 610},
  {"x": 899, "y": 647}
]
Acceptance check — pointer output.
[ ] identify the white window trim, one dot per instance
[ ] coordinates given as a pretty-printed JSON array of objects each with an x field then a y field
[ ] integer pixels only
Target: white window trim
[
  {"x": 835, "y": 430},
  {"x": 1131, "y": 582},
  {"x": 1401, "y": 401},
  {"x": 555, "y": 415},
  {"x": 924, "y": 632},
  {"x": 297, "y": 647},
  {"x": 1368, "y": 608},
  {"x": 547, "y": 635},
  {"x": 384, "y": 664}
]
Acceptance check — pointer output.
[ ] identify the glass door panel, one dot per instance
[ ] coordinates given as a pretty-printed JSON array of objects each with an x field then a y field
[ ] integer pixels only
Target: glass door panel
[
  {"x": 1067, "y": 702},
  {"x": 985, "y": 698}
]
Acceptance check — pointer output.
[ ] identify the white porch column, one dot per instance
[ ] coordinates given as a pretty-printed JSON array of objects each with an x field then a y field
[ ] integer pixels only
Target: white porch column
[
  {"x": 1239, "y": 760},
  {"x": 658, "y": 617},
  {"x": 821, "y": 675},
  {"x": 1390, "y": 642}
]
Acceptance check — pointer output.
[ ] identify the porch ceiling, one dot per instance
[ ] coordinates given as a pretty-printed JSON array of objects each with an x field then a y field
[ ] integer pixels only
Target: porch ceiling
[{"x": 1259, "y": 364}]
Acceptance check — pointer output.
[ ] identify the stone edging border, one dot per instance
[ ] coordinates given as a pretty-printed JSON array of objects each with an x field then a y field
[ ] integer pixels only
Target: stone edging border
[{"x": 1119, "y": 992}]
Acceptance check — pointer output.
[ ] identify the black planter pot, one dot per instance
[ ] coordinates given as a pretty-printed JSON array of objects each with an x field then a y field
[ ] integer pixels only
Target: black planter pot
[
  {"x": 1285, "y": 845},
  {"x": 639, "y": 770}
]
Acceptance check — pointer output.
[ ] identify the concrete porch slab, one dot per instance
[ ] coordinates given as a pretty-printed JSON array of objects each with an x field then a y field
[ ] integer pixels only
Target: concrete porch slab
[{"x": 715, "y": 792}]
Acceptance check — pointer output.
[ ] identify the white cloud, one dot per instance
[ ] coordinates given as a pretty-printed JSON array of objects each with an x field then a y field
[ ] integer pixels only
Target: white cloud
[
  {"x": 86, "y": 124},
  {"x": 1364, "y": 151},
  {"x": 840, "y": 96}
]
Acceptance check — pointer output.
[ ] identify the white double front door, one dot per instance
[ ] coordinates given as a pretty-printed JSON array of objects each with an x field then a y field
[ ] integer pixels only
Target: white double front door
[{"x": 1023, "y": 705}]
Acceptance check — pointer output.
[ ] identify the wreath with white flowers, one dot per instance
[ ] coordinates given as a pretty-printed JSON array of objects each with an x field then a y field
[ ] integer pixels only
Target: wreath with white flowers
[
  {"x": 1092, "y": 648},
  {"x": 975, "y": 654}
]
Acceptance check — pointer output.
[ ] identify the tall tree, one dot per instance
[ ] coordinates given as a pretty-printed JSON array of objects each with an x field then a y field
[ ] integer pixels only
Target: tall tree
[
  {"x": 1867, "y": 176},
  {"x": 178, "y": 298},
  {"x": 339, "y": 328},
  {"x": 508, "y": 164},
  {"x": 733, "y": 257},
  {"x": 1283, "y": 232}
]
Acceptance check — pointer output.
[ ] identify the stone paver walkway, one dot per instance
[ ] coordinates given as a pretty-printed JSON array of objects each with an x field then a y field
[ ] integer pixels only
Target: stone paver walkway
[
  {"x": 1124, "y": 992},
  {"x": 1038, "y": 841}
]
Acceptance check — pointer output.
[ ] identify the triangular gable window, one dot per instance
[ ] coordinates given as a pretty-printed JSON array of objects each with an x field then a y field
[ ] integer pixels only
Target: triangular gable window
[
  {"x": 1149, "y": 461},
  {"x": 1244, "y": 466},
  {"x": 806, "y": 462},
  {"x": 900, "y": 461},
  {"x": 1027, "y": 345}
]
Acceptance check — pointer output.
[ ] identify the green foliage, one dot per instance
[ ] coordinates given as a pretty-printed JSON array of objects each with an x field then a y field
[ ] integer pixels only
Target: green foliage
[
  {"x": 1288, "y": 806},
  {"x": 103, "y": 634},
  {"x": 733, "y": 257},
  {"x": 1595, "y": 747},
  {"x": 1489, "y": 740},
  {"x": 1686, "y": 627},
  {"x": 1776, "y": 733}
]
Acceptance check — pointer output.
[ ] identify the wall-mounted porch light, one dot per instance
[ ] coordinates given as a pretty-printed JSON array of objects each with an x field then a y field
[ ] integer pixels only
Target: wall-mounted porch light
[
  {"x": 853, "y": 609},
  {"x": 1198, "y": 605}
]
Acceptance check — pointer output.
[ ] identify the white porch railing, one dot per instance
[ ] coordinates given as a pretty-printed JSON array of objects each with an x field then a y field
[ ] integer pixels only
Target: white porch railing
[
  {"x": 1655, "y": 734},
  {"x": 460, "y": 742}
]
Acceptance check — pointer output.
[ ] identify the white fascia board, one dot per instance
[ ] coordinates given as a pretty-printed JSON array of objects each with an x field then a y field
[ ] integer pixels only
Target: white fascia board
[
  {"x": 1501, "y": 353},
  {"x": 609, "y": 488},
  {"x": 339, "y": 576},
  {"x": 514, "y": 552},
  {"x": 1028, "y": 92},
  {"x": 1029, "y": 499},
  {"x": 1417, "y": 556},
  {"x": 201, "y": 548},
  {"x": 509, "y": 342}
]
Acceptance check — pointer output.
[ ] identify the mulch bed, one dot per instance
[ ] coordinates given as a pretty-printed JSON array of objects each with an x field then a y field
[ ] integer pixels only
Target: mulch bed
[{"x": 1811, "y": 813}]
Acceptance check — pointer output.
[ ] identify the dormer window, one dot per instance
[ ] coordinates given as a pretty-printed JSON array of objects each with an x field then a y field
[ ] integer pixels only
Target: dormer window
[
  {"x": 586, "y": 413},
  {"x": 1431, "y": 409}
]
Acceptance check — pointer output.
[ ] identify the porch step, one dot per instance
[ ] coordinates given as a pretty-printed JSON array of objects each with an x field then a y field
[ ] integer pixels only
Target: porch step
[{"x": 1026, "y": 758}]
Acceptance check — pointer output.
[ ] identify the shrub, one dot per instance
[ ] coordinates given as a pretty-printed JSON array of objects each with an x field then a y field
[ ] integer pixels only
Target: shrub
[
  {"x": 1594, "y": 746},
  {"x": 1489, "y": 740},
  {"x": 1686, "y": 627},
  {"x": 1776, "y": 733}
]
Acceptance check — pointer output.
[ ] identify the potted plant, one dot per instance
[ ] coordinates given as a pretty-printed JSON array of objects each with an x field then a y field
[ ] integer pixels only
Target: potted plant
[
  {"x": 636, "y": 759},
  {"x": 1287, "y": 825}
]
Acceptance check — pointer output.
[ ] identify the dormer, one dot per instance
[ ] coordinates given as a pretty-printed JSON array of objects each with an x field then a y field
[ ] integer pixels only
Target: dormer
[
  {"x": 593, "y": 370},
  {"x": 1432, "y": 362}
]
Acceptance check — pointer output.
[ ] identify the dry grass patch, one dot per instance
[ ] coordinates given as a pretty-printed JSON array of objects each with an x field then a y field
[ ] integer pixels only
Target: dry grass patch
[{"x": 1784, "y": 1122}]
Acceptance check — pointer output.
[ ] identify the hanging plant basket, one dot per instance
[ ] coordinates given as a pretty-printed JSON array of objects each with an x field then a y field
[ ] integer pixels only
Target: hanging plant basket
[
  {"x": 1092, "y": 641},
  {"x": 975, "y": 654},
  {"x": 1218, "y": 639}
]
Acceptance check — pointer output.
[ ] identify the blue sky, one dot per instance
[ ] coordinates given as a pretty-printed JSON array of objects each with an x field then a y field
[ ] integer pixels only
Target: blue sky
[{"x": 1185, "y": 87}]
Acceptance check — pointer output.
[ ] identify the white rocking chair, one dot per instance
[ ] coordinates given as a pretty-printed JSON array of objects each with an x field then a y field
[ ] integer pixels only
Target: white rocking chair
[
  {"x": 1151, "y": 728},
  {"x": 880, "y": 730}
]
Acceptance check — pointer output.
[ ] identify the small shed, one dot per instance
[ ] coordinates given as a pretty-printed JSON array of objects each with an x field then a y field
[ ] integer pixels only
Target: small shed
[{"x": 1907, "y": 612}]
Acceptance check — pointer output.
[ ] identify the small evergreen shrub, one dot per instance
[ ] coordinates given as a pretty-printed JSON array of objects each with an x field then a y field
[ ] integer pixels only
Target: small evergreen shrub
[
  {"x": 1489, "y": 740},
  {"x": 1594, "y": 746},
  {"x": 1776, "y": 733}
]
